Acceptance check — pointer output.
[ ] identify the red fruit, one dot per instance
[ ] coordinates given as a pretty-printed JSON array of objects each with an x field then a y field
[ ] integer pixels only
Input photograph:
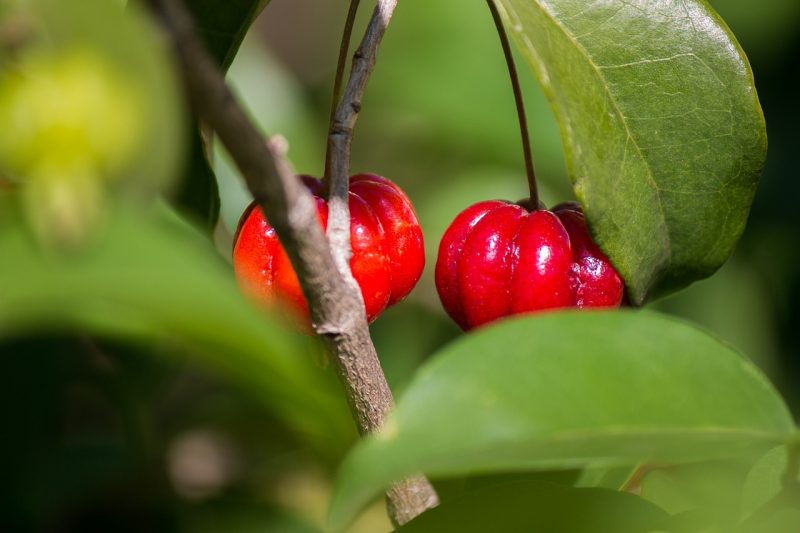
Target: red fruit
[
  {"x": 498, "y": 259},
  {"x": 388, "y": 255}
]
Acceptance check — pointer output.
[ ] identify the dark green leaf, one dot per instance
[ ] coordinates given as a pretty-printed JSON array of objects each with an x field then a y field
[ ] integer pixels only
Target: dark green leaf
[
  {"x": 222, "y": 25},
  {"x": 198, "y": 196},
  {"x": 663, "y": 132},
  {"x": 567, "y": 390},
  {"x": 531, "y": 506}
]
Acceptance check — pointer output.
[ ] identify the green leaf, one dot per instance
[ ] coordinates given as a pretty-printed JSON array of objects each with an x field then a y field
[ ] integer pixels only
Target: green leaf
[
  {"x": 709, "y": 491},
  {"x": 663, "y": 131},
  {"x": 568, "y": 390},
  {"x": 616, "y": 478},
  {"x": 766, "y": 487},
  {"x": 198, "y": 196},
  {"x": 453, "y": 488},
  {"x": 153, "y": 279},
  {"x": 534, "y": 506},
  {"x": 222, "y": 25},
  {"x": 764, "y": 480},
  {"x": 783, "y": 520}
]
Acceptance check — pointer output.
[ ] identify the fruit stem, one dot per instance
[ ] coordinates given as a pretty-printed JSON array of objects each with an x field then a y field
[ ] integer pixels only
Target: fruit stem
[
  {"x": 344, "y": 48},
  {"x": 523, "y": 122}
]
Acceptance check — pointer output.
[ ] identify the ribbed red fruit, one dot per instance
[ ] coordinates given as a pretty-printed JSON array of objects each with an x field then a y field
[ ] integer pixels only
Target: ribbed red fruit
[
  {"x": 388, "y": 254},
  {"x": 498, "y": 259}
]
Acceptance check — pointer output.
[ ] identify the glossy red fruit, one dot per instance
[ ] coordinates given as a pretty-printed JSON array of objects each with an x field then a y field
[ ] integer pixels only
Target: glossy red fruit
[
  {"x": 388, "y": 253},
  {"x": 498, "y": 259}
]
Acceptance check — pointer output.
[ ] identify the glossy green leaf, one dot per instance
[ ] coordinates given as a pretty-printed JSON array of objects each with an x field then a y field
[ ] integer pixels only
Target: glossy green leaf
[
  {"x": 663, "y": 131},
  {"x": 532, "y": 506},
  {"x": 568, "y": 390},
  {"x": 222, "y": 25},
  {"x": 152, "y": 279}
]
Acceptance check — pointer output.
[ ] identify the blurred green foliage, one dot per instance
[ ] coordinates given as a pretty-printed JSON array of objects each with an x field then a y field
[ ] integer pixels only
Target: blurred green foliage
[{"x": 101, "y": 434}]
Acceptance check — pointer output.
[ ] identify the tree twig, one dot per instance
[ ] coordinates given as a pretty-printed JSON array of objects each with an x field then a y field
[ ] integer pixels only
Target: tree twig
[
  {"x": 337, "y": 310},
  {"x": 336, "y": 96},
  {"x": 340, "y": 135}
]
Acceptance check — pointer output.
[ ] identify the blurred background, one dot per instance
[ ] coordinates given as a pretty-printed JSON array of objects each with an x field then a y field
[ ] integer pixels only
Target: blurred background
[{"x": 120, "y": 440}]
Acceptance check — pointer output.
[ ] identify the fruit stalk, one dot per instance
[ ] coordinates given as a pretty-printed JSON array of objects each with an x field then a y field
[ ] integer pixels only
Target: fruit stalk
[
  {"x": 337, "y": 312},
  {"x": 523, "y": 121},
  {"x": 336, "y": 96}
]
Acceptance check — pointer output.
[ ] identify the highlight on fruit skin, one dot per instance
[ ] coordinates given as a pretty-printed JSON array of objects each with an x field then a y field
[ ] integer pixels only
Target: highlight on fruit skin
[
  {"x": 385, "y": 236},
  {"x": 499, "y": 259}
]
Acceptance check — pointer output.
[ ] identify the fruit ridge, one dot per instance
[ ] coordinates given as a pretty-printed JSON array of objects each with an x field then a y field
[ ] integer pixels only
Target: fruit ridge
[
  {"x": 385, "y": 236},
  {"x": 498, "y": 259}
]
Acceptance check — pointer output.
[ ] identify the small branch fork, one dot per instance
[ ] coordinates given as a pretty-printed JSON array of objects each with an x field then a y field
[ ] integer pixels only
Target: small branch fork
[
  {"x": 337, "y": 311},
  {"x": 340, "y": 135},
  {"x": 523, "y": 122},
  {"x": 338, "y": 164}
]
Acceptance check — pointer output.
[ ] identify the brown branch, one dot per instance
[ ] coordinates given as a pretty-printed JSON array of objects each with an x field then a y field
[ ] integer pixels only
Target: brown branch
[
  {"x": 344, "y": 48},
  {"x": 340, "y": 135},
  {"x": 337, "y": 310}
]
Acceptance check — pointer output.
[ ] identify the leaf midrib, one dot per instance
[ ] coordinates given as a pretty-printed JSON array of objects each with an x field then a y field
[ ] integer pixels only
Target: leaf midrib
[
  {"x": 746, "y": 436},
  {"x": 629, "y": 431},
  {"x": 753, "y": 436}
]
